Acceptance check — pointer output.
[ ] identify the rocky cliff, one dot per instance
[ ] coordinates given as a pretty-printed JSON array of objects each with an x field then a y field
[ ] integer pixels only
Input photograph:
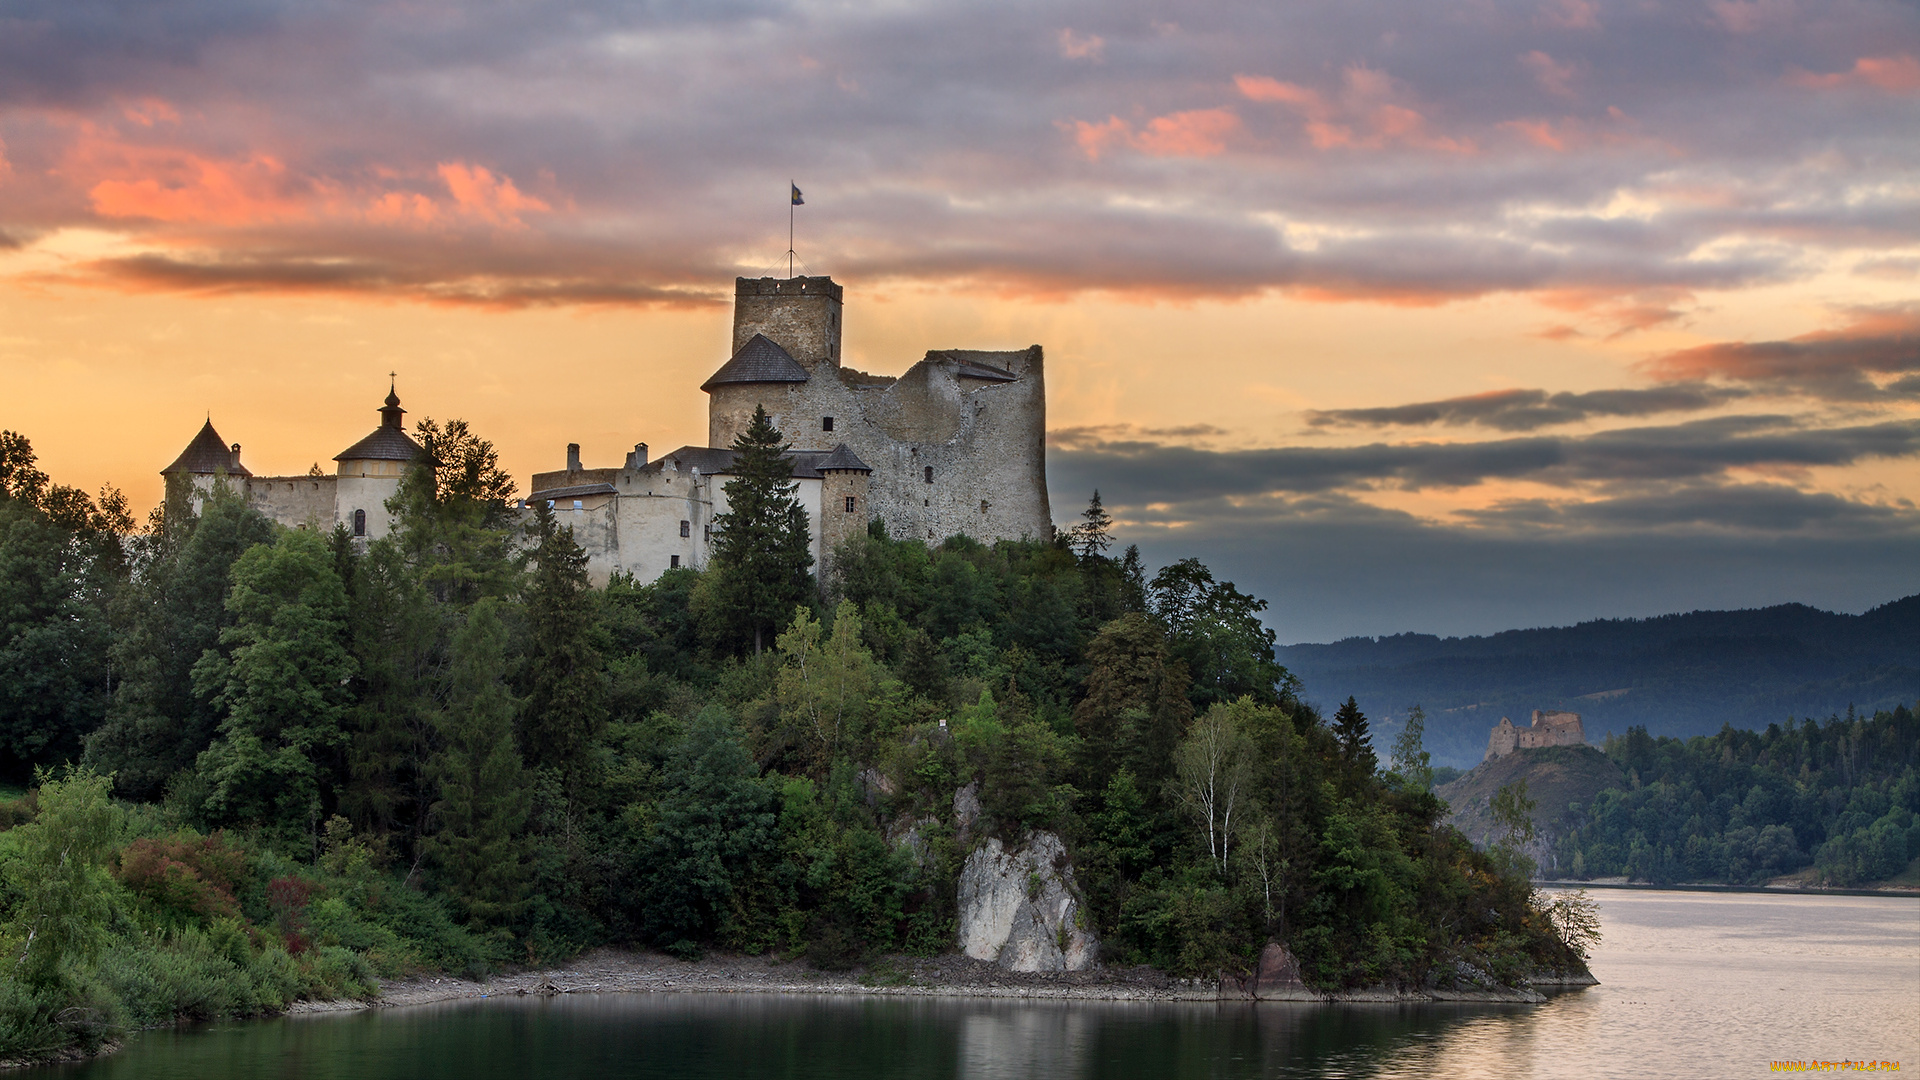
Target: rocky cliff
[{"x": 1020, "y": 909}]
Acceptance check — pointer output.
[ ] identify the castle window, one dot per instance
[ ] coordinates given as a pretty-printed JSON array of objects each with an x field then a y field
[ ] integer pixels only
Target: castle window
[
  {"x": 359, "y": 523},
  {"x": 686, "y": 528},
  {"x": 576, "y": 504},
  {"x": 849, "y": 504},
  {"x": 983, "y": 506},
  {"x": 826, "y": 423},
  {"x": 929, "y": 474},
  {"x": 706, "y": 533},
  {"x": 673, "y": 562}
]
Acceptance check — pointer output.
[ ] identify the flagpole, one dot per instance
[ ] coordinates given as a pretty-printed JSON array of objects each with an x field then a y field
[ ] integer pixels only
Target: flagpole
[{"x": 790, "y": 186}]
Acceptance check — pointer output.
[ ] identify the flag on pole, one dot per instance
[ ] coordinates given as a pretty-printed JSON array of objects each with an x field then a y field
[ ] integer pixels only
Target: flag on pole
[{"x": 797, "y": 200}]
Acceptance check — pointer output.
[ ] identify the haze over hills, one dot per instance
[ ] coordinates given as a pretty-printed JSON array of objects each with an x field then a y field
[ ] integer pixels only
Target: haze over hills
[{"x": 1676, "y": 674}]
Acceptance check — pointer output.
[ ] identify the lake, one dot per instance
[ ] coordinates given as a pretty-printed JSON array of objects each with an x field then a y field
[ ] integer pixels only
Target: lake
[{"x": 1692, "y": 985}]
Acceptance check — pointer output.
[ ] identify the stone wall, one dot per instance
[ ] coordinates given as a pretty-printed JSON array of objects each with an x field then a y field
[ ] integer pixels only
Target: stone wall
[
  {"x": 1548, "y": 728},
  {"x": 296, "y": 501}
]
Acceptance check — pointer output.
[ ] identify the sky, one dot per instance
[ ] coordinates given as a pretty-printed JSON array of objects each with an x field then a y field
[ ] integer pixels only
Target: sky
[{"x": 1416, "y": 315}]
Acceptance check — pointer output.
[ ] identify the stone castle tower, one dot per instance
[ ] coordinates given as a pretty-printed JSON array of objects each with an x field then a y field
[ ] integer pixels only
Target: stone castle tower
[
  {"x": 956, "y": 445},
  {"x": 1549, "y": 728}
]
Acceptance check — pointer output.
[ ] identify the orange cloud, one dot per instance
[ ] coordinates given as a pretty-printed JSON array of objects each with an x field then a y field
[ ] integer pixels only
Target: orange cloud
[
  {"x": 1892, "y": 74},
  {"x": 1882, "y": 340},
  {"x": 1537, "y": 132},
  {"x": 476, "y": 191},
  {"x": 180, "y": 186},
  {"x": 1361, "y": 107},
  {"x": 1193, "y": 133}
]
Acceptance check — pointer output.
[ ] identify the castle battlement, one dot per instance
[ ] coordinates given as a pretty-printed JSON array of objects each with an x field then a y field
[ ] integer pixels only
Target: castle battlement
[{"x": 1549, "y": 728}]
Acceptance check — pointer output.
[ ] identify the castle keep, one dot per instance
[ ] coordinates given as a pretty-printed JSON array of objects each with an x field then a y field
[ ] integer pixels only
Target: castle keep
[
  {"x": 955, "y": 445},
  {"x": 1548, "y": 729}
]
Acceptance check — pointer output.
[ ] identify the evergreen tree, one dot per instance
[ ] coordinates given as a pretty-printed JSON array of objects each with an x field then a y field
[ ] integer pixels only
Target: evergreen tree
[
  {"x": 61, "y": 565},
  {"x": 1135, "y": 710},
  {"x": 478, "y": 842},
  {"x": 1356, "y": 746},
  {"x": 762, "y": 549},
  {"x": 282, "y": 693},
  {"x": 171, "y": 616},
  {"x": 453, "y": 516},
  {"x": 1090, "y": 537},
  {"x": 566, "y": 687},
  {"x": 397, "y": 643}
]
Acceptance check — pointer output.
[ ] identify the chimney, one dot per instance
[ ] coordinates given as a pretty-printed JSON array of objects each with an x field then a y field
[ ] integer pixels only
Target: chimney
[
  {"x": 638, "y": 459},
  {"x": 573, "y": 457},
  {"x": 233, "y": 459}
]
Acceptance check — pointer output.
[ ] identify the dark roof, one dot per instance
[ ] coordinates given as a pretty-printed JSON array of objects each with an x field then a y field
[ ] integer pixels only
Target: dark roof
[
  {"x": 713, "y": 461},
  {"x": 760, "y": 360},
  {"x": 385, "y": 444},
  {"x": 207, "y": 453},
  {"x": 574, "y": 492},
  {"x": 841, "y": 458},
  {"x": 389, "y": 441}
]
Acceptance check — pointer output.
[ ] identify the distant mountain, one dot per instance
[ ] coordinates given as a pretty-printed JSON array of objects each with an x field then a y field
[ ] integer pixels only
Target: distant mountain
[{"x": 1677, "y": 674}]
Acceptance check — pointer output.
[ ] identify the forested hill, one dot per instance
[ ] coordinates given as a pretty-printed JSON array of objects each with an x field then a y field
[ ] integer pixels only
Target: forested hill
[{"x": 1676, "y": 674}]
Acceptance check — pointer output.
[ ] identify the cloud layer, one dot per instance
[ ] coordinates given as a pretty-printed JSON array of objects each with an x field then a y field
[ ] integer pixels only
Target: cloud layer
[{"x": 1613, "y": 158}]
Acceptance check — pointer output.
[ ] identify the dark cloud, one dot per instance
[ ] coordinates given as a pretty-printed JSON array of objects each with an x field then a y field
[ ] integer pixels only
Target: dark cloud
[
  {"x": 1161, "y": 473},
  {"x": 1529, "y": 410},
  {"x": 1409, "y": 156},
  {"x": 1832, "y": 364}
]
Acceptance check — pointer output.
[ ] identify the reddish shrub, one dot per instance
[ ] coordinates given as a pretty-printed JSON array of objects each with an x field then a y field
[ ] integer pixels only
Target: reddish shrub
[
  {"x": 288, "y": 897},
  {"x": 186, "y": 873}
]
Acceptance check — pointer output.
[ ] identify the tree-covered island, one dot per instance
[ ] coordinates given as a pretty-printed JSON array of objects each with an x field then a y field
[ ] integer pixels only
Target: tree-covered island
[{"x": 255, "y": 764}]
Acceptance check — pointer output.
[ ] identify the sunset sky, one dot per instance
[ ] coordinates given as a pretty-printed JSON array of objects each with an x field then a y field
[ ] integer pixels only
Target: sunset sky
[{"x": 1410, "y": 315}]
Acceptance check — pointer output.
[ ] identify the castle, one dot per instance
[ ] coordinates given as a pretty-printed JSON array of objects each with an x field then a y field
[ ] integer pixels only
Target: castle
[
  {"x": 956, "y": 445},
  {"x": 1548, "y": 729}
]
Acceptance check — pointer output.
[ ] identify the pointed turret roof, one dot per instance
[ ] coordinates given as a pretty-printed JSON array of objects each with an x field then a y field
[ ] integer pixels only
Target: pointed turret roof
[
  {"x": 760, "y": 360},
  {"x": 841, "y": 458},
  {"x": 207, "y": 454},
  {"x": 389, "y": 441}
]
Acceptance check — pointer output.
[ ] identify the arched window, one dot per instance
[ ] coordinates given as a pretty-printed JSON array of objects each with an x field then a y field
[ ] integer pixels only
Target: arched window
[
  {"x": 359, "y": 523},
  {"x": 929, "y": 474}
]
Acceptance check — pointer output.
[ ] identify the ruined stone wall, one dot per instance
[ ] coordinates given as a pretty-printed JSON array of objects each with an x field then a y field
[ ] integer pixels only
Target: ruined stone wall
[{"x": 1503, "y": 739}]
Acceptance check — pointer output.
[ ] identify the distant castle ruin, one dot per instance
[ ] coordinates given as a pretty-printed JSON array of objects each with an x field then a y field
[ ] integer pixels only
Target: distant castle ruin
[
  {"x": 1548, "y": 729},
  {"x": 955, "y": 446}
]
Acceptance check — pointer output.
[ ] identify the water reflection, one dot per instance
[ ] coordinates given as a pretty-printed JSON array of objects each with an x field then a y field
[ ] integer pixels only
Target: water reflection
[{"x": 1691, "y": 985}]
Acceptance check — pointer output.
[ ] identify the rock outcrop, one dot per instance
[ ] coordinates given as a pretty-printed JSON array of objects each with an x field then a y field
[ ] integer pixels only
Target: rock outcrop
[{"x": 1019, "y": 908}]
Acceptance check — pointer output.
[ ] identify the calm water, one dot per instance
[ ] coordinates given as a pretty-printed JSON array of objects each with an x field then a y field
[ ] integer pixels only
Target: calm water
[{"x": 1693, "y": 985}]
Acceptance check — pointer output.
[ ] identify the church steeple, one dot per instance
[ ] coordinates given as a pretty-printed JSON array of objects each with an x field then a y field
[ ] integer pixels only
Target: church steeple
[{"x": 391, "y": 412}]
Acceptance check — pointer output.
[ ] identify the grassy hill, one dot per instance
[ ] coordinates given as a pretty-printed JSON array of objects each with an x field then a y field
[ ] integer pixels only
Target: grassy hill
[
  {"x": 1557, "y": 777},
  {"x": 1676, "y": 674}
]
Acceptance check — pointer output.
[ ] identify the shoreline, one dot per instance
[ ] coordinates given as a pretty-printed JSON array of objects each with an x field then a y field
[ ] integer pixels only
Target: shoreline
[
  {"x": 1908, "y": 891},
  {"x": 610, "y": 970}
]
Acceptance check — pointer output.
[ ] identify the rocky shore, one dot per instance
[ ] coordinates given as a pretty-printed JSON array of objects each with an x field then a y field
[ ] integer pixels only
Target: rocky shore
[{"x": 611, "y": 971}]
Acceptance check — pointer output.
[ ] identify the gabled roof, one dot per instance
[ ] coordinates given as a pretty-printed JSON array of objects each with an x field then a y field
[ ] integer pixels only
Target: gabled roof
[
  {"x": 207, "y": 454},
  {"x": 841, "y": 458},
  {"x": 714, "y": 461},
  {"x": 385, "y": 444},
  {"x": 575, "y": 491},
  {"x": 760, "y": 360}
]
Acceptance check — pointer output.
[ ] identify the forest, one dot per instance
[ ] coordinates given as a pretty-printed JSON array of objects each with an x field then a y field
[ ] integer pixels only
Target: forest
[
  {"x": 253, "y": 764},
  {"x": 1840, "y": 798}
]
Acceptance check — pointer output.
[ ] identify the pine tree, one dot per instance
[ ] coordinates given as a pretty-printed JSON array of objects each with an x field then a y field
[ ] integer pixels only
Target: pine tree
[
  {"x": 762, "y": 548},
  {"x": 1090, "y": 539},
  {"x": 479, "y": 844},
  {"x": 1410, "y": 758},
  {"x": 1356, "y": 746},
  {"x": 566, "y": 676},
  {"x": 1135, "y": 710}
]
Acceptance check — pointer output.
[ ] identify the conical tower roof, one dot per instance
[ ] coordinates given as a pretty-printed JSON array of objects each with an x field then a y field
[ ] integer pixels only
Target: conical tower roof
[
  {"x": 206, "y": 455},
  {"x": 389, "y": 441},
  {"x": 760, "y": 360}
]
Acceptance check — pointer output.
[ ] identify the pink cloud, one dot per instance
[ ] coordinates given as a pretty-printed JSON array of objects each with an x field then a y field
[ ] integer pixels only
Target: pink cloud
[
  {"x": 1362, "y": 108},
  {"x": 1571, "y": 15},
  {"x": 1080, "y": 47},
  {"x": 1552, "y": 76},
  {"x": 491, "y": 198},
  {"x": 1193, "y": 133},
  {"x": 1892, "y": 74},
  {"x": 1538, "y": 132}
]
